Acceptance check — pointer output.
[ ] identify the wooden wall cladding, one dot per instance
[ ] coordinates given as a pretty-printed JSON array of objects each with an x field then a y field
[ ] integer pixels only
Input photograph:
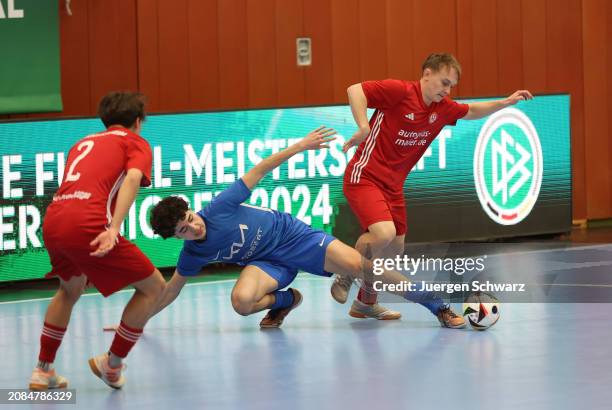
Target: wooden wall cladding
[{"x": 191, "y": 55}]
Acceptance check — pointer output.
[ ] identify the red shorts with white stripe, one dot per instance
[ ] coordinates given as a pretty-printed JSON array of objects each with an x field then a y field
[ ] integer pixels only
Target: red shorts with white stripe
[
  {"x": 69, "y": 252},
  {"x": 372, "y": 204}
]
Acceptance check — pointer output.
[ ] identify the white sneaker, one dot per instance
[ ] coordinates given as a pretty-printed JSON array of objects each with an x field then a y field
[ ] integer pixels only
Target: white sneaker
[
  {"x": 41, "y": 380},
  {"x": 341, "y": 287},
  {"x": 361, "y": 310},
  {"x": 113, "y": 376}
]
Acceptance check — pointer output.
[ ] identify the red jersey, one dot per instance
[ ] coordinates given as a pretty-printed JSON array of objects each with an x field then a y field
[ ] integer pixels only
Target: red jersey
[
  {"x": 401, "y": 129},
  {"x": 94, "y": 171}
]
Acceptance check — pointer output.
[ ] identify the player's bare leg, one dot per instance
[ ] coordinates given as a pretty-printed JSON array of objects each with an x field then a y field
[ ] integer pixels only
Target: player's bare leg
[
  {"x": 366, "y": 304},
  {"x": 370, "y": 244},
  {"x": 60, "y": 307},
  {"x": 255, "y": 291},
  {"x": 379, "y": 242},
  {"x": 346, "y": 261},
  {"x": 144, "y": 301},
  {"x": 56, "y": 322}
]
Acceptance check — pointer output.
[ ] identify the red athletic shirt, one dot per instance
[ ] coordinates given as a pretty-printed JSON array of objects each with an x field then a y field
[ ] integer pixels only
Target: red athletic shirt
[
  {"x": 401, "y": 129},
  {"x": 94, "y": 171}
]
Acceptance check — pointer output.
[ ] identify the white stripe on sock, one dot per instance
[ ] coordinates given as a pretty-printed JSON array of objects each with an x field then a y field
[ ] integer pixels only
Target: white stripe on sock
[
  {"x": 126, "y": 334},
  {"x": 54, "y": 334}
]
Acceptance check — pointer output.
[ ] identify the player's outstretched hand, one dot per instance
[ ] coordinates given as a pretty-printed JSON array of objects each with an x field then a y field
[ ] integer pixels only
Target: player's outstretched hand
[
  {"x": 356, "y": 139},
  {"x": 318, "y": 138},
  {"x": 519, "y": 95},
  {"x": 104, "y": 242},
  {"x": 110, "y": 328}
]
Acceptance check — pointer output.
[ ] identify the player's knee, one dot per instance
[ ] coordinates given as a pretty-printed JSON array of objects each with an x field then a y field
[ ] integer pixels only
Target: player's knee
[
  {"x": 70, "y": 291},
  {"x": 155, "y": 287},
  {"x": 70, "y": 295},
  {"x": 382, "y": 237},
  {"x": 158, "y": 289},
  {"x": 242, "y": 302}
]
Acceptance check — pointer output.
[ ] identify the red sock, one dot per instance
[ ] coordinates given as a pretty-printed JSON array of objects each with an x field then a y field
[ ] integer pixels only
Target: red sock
[
  {"x": 50, "y": 341},
  {"x": 367, "y": 296},
  {"x": 125, "y": 338}
]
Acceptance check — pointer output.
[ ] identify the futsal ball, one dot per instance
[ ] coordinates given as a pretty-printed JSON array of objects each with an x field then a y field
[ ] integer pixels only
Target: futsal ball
[{"x": 481, "y": 309}]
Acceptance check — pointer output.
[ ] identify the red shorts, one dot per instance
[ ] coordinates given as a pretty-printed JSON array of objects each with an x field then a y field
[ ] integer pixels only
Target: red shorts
[
  {"x": 372, "y": 204},
  {"x": 69, "y": 253}
]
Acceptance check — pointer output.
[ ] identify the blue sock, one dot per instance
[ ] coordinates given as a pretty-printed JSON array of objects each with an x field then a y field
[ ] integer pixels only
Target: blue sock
[
  {"x": 427, "y": 299},
  {"x": 284, "y": 298}
]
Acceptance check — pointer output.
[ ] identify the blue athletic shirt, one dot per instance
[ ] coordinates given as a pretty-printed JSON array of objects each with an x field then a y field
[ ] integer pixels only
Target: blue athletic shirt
[{"x": 235, "y": 232}]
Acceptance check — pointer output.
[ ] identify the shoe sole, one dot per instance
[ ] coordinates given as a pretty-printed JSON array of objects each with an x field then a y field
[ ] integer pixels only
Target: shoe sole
[
  {"x": 38, "y": 387},
  {"x": 96, "y": 371},
  {"x": 276, "y": 326},
  {"x": 454, "y": 327},
  {"x": 270, "y": 326},
  {"x": 358, "y": 315},
  {"x": 43, "y": 387}
]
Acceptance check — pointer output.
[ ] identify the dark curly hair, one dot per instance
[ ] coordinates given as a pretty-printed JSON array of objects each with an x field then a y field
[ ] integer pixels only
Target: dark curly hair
[{"x": 166, "y": 214}]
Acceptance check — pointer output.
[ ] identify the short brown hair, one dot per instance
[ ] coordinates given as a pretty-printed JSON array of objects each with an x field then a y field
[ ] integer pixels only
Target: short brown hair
[
  {"x": 121, "y": 108},
  {"x": 436, "y": 61}
]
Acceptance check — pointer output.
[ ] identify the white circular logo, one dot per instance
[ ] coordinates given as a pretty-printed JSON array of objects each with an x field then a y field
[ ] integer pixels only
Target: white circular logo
[{"x": 508, "y": 166}]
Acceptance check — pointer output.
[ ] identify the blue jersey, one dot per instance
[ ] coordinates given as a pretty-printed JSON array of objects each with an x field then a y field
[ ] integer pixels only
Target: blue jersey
[{"x": 235, "y": 232}]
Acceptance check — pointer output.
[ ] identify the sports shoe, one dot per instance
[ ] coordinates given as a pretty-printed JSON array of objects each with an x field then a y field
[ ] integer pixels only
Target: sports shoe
[
  {"x": 42, "y": 380},
  {"x": 341, "y": 287},
  {"x": 275, "y": 317},
  {"x": 448, "y": 318},
  {"x": 112, "y": 376},
  {"x": 361, "y": 310}
]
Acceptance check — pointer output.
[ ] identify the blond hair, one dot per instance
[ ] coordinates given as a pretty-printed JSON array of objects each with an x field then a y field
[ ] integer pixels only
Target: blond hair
[{"x": 436, "y": 61}]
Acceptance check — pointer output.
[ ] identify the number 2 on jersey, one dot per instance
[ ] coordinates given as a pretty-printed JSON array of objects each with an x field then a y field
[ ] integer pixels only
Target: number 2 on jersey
[{"x": 86, "y": 147}]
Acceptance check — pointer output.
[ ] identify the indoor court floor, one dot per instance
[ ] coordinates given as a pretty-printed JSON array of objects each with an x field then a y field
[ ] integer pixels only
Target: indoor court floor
[{"x": 198, "y": 353}]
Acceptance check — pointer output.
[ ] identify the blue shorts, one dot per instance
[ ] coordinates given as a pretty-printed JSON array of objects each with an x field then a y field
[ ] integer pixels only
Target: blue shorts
[{"x": 302, "y": 248}]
